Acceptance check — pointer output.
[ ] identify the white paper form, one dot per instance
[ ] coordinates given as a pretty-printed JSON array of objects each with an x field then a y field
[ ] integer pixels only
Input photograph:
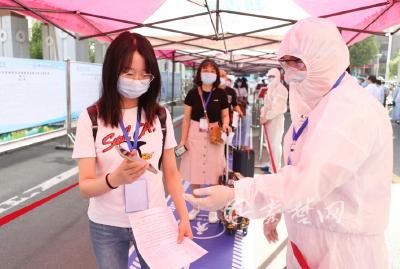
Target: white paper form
[{"x": 156, "y": 235}]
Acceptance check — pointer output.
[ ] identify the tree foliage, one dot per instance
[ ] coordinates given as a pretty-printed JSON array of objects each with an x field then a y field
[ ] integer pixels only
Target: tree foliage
[
  {"x": 35, "y": 45},
  {"x": 394, "y": 66},
  {"x": 363, "y": 52},
  {"x": 92, "y": 51}
]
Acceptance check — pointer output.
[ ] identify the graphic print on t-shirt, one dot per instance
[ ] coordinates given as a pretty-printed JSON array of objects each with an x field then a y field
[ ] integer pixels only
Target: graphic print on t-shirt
[{"x": 113, "y": 141}]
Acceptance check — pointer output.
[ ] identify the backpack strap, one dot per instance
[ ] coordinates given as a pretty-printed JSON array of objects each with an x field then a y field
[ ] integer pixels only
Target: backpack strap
[
  {"x": 162, "y": 116},
  {"x": 93, "y": 113}
]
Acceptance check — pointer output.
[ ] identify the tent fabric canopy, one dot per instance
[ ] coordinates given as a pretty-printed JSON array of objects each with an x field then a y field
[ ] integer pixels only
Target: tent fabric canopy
[
  {"x": 240, "y": 35},
  {"x": 82, "y": 16}
]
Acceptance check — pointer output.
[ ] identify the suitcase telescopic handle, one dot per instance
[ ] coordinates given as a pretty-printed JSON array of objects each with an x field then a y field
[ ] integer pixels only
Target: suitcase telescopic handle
[
  {"x": 239, "y": 144},
  {"x": 227, "y": 158}
]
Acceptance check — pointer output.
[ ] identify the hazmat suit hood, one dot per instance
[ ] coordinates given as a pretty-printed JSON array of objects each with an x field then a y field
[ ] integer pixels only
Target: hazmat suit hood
[
  {"x": 318, "y": 43},
  {"x": 276, "y": 89},
  {"x": 274, "y": 82}
]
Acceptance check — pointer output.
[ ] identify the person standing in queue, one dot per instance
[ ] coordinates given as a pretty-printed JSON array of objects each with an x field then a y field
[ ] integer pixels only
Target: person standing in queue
[
  {"x": 126, "y": 116},
  {"x": 395, "y": 114},
  {"x": 206, "y": 107},
  {"x": 242, "y": 93},
  {"x": 375, "y": 90},
  {"x": 228, "y": 83},
  {"x": 272, "y": 117},
  {"x": 232, "y": 97}
]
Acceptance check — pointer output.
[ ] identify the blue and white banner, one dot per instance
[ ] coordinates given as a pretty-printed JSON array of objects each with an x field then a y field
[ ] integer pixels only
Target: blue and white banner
[
  {"x": 166, "y": 86},
  {"x": 32, "y": 93},
  {"x": 85, "y": 86}
]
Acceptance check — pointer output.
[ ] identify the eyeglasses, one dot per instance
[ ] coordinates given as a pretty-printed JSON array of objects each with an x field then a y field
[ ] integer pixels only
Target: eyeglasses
[
  {"x": 293, "y": 62},
  {"x": 129, "y": 73}
]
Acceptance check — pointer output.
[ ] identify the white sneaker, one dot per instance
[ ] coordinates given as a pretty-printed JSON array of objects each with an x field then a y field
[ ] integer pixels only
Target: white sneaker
[
  {"x": 212, "y": 217},
  {"x": 193, "y": 213}
]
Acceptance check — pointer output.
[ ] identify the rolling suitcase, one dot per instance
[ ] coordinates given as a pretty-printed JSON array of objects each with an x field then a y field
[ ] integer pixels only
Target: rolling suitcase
[
  {"x": 243, "y": 157},
  {"x": 228, "y": 177},
  {"x": 228, "y": 216}
]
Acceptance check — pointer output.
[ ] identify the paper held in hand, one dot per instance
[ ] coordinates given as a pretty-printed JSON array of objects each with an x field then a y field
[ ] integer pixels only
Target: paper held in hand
[
  {"x": 156, "y": 235},
  {"x": 235, "y": 119}
]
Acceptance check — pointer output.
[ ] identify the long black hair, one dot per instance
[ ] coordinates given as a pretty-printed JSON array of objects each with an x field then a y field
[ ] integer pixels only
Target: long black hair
[
  {"x": 244, "y": 83},
  {"x": 119, "y": 57},
  {"x": 373, "y": 79}
]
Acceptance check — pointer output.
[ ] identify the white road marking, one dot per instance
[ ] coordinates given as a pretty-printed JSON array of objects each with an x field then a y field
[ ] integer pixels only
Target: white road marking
[{"x": 34, "y": 191}]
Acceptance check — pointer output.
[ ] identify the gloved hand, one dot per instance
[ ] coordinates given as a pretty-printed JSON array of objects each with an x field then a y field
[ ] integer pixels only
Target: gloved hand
[
  {"x": 270, "y": 225},
  {"x": 213, "y": 198}
]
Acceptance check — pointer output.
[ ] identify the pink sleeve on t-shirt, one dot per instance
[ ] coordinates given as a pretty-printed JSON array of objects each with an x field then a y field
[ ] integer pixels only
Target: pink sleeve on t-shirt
[
  {"x": 170, "y": 141},
  {"x": 84, "y": 143}
]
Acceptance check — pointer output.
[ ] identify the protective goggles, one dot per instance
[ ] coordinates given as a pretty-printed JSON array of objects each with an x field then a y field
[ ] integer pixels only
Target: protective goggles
[{"x": 292, "y": 62}]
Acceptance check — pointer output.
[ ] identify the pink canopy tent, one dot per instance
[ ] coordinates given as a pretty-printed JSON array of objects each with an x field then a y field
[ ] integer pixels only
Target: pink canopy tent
[
  {"x": 242, "y": 36},
  {"x": 85, "y": 17},
  {"x": 369, "y": 16}
]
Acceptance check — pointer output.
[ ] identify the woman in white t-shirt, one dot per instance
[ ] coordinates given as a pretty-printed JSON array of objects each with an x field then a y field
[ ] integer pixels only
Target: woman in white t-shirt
[{"x": 130, "y": 87}]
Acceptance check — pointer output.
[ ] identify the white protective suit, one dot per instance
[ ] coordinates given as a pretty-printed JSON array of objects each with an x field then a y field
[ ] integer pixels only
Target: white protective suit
[
  {"x": 342, "y": 164},
  {"x": 275, "y": 106}
]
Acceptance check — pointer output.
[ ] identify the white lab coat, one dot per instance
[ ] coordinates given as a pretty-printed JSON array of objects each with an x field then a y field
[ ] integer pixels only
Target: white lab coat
[
  {"x": 344, "y": 157},
  {"x": 275, "y": 106}
]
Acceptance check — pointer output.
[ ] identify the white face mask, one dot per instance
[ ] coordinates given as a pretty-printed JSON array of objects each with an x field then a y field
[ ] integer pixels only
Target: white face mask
[
  {"x": 208, "y": 78},
  {"x": 223, "y": 81},
  {"x": 131, "y": 88},
  {"x": 294, "y": 75},
  {"x": 272, "y": 81}
]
